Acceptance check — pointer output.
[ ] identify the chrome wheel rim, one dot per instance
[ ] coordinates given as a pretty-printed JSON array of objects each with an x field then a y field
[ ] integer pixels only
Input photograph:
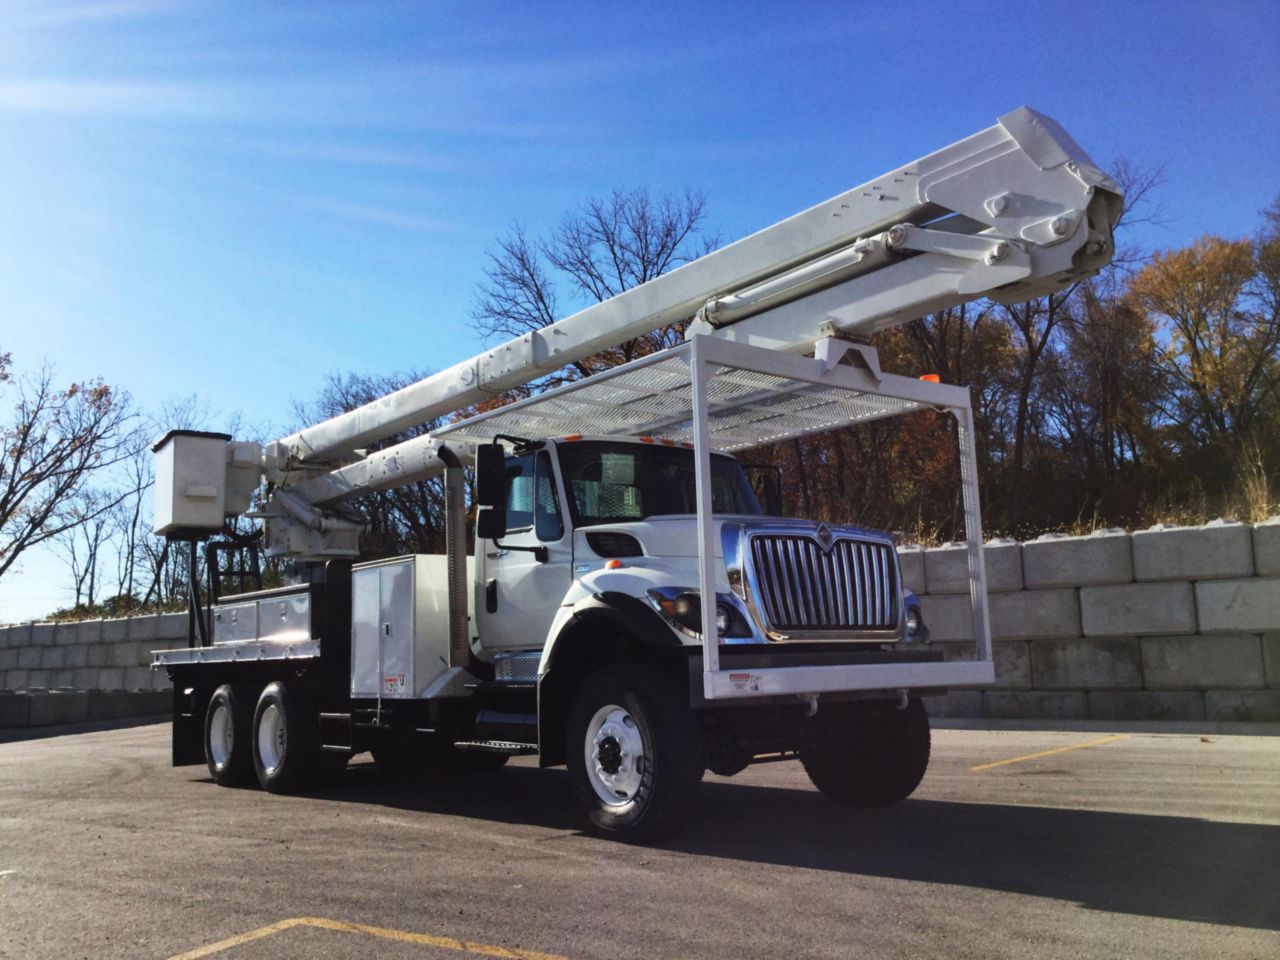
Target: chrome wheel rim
[
  {"x": 221, "y": 735},
  {"x": 271, "y": 738},
  {"x": 615, "y": 755}
]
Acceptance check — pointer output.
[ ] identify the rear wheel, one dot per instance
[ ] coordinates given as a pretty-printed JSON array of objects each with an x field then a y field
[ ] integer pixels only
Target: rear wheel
[
  {"x": 867, "y": 753},
  {"x": 634, "y": 753},
  {"x": 285, "y": 739},
  {"x": 227, "y": 748}
]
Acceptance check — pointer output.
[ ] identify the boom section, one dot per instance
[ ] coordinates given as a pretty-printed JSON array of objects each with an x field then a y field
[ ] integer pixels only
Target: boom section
[{"x": 1012, "y": 212}]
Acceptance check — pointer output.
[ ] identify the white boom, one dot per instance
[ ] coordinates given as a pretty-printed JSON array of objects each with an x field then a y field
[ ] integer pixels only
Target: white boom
[{"x": 1012, "y": 212}]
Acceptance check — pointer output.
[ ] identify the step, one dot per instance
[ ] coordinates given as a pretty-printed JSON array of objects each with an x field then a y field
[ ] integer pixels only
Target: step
[{"x": 498, "y": 746}]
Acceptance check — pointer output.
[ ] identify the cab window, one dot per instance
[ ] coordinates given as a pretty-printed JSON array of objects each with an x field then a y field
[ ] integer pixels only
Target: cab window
[
  {"x": 546, "y": 508},
  {"x": 531, "y": 497},
  {"x": 519, "y": 472}
]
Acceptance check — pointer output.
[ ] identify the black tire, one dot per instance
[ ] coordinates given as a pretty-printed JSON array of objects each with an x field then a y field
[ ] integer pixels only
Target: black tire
[
  {"x": 230, "y": 759},
  {"x": 867, "y": 753},
  {"x": 666, "y": 774},
  {"x": 286, "y": 725}
]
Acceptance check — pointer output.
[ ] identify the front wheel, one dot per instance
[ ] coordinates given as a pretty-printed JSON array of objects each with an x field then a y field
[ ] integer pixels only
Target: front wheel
[
  {"x": 286, "y": 742},
  {"x": 867, "y": 753},
  {"x": 634, "y": 753}
]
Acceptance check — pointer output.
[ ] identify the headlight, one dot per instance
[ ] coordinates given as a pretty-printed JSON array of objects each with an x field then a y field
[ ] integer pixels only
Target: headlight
[
  {"x": 913, "y": 620},
  {"x": 683, "y": 609}
]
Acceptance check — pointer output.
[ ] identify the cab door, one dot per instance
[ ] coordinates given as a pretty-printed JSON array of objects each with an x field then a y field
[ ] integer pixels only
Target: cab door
[{"x": 517, "y": 592}]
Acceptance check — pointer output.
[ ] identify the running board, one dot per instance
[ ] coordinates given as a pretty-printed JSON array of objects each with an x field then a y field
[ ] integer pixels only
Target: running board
[{"x": 508, "y": 747}]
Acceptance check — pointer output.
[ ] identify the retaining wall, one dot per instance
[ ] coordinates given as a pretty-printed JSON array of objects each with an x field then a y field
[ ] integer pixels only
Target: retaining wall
[
  {"x": 54, "y": 673},
  {"x": 1161, "y": 624},
  {"x": 1170, "y": 623}
]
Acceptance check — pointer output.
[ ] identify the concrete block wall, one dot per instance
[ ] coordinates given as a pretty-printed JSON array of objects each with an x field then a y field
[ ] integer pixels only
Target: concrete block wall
[
  {"x": 1170, "y": 623},
  {"x": 91, "y": 670}
]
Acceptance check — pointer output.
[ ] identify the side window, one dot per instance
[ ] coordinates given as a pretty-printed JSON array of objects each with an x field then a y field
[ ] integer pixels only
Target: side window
[
  {"x": 547, "y": 522},
  {"x": 519, "y": 493}
]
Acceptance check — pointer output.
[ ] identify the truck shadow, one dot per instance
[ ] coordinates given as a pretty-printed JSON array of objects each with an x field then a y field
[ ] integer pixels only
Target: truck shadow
[{"x": 1177, "y": 868}]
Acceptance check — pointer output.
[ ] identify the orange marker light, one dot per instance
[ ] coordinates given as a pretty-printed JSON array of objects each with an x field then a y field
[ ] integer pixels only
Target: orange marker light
[
  {"x": 646, "y": 439},
  {"x": 931, "y": 378},
  {"x": 613, "y": 565},
  {"x": 573, "y": 436}
]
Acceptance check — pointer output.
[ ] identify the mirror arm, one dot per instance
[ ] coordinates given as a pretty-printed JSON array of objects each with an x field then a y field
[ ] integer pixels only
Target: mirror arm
[{"x": 539, "y": 553}]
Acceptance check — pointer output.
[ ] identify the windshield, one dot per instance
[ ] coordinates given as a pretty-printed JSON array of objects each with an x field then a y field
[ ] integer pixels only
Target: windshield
[{"x": 613, "y": 482}]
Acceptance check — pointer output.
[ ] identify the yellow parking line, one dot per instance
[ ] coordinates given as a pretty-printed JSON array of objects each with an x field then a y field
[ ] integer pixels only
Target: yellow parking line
[
  {"x": 1049, "y": 753},
  {"x": 384, "y": 933},
  {"x": 426, "y": 940},
  {"x": 237, "y": 940}
]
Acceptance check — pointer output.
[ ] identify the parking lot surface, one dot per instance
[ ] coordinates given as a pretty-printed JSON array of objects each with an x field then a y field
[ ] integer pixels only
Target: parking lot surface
[{"x": 1026, "y": 844}]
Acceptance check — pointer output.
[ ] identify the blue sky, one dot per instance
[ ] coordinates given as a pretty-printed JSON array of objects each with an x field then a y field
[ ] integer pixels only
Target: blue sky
[{"x": 234, "y": 199}]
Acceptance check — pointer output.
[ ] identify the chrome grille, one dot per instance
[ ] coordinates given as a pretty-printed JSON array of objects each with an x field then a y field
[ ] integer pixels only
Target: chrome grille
[{"x": 801, "y": 586}]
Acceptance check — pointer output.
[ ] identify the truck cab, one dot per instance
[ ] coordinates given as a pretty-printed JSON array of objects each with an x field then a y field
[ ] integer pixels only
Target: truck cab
[{"x": 588, "y": 518}]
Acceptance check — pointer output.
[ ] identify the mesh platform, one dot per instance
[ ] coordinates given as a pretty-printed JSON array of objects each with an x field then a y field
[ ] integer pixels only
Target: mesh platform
[{"x": 652, "y": 397}]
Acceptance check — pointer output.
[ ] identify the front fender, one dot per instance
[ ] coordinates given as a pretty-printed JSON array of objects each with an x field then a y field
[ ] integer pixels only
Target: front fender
[{"x": 597, "y": 631}]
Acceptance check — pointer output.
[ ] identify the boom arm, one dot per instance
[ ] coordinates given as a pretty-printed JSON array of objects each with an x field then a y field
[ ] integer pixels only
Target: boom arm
[
  {"x": 1013, "y": 211},
  {"x": 1010, "y": 213}
]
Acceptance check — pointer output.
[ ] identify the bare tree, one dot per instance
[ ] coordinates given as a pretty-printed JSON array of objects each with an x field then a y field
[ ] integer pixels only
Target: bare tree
[
  {"x": 408, "y": 519},
  {"x": 81, "y": 545},
  {"x": 1036, "y": 322},
  {"x": 606, "y": 246},
  {"x": 58, "y": 441}
]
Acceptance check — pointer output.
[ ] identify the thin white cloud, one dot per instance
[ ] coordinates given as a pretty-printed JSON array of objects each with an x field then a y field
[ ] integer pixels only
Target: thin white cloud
[
  {"x": 118, "y": 97},
  {"x": 46, "y": 14},
  {"x": 378, "y": 216},
  {"x": 358, "y": 155}
]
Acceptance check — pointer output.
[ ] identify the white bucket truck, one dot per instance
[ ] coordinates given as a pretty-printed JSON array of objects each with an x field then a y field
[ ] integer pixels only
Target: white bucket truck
[{"x": 632, "y": 610}]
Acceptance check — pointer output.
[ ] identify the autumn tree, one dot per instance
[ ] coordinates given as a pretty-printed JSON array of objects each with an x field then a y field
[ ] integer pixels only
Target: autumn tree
[
  {"x": 58, "y": 441},
  {"x": 1037, "y": 322},
  {"x": 1220, "y": 359}
]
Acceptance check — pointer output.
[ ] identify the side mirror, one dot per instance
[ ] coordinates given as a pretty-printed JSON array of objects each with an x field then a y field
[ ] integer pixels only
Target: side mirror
[
  {"x": 491, "y": 480},
  {"x": 491, "y": 523}
]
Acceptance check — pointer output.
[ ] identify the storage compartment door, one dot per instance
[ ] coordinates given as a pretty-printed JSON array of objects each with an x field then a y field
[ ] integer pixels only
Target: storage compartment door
[
  {"x": 366, "y": 605},
  {"x": 397, "y": 630}
]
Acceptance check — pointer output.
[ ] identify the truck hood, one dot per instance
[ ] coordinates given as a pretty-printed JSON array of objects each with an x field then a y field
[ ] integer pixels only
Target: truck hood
[
  {"x": 672, "y": 536},
  {"x": 677, "y": 535}
]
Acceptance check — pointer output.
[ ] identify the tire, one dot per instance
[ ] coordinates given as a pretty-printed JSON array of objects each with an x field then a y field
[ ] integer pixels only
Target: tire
[
  {"x": 634, "y": 752},
  {"x": 286, "y": 741},
  {"x": 228, "y": 748},
  {"x": 867, "y": 753}
]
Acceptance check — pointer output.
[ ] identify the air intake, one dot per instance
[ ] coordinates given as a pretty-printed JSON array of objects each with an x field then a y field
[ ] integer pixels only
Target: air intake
[{"x": 609, "y": 544}]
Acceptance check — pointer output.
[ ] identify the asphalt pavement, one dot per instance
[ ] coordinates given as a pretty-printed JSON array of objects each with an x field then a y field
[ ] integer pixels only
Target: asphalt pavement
[{"x": 1017, "y": 844}]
